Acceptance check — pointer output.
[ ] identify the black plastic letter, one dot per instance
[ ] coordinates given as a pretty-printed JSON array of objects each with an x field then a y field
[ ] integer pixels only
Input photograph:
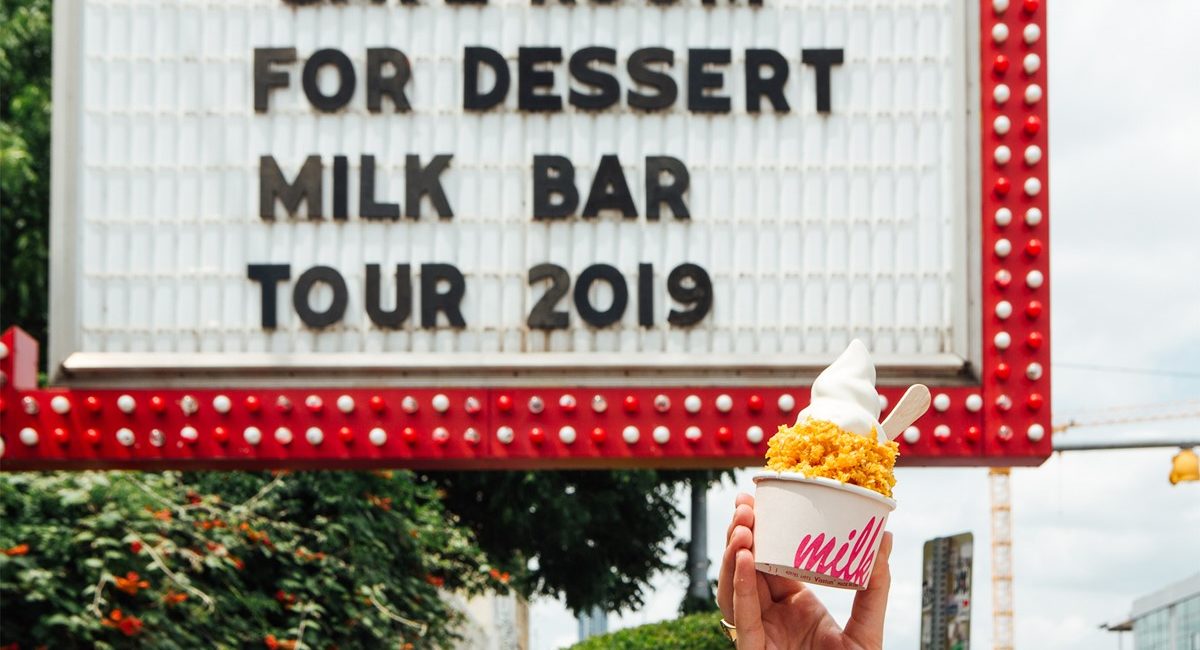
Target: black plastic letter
[
  {"x": 367, "y": 207},
  {"x": 609, "y": 91},
  {"x": 583, "y": 303},
  {"x": 822, "y": 60},
  {"x": 609, "y": 190},
  {"x": 473, "y": 57},
  {"x": 419, "y": 181},
  {"x": 272, "y": 185},
  {"x": 391, "y": 85},
  {"x": 346, "y": 80},
  {"x": 530, "y": 78},
  {"x": 771, "y": 87},
  {"x": 395, "y": 318},
  {"x": 641, "y": 72},
  {"x": 543, "y": 316},
  {"x": 264, "y": 78},
  {"x": 449, "y": 302},
  {"x": 269, "y": 275},
  {"x": 304, "y": 285},
  {"x": 700, "y": 80},
  {"x": 672, "y": 195},
  {"x": 341, "y": 190},
  {"x": 547, "y": 186}
]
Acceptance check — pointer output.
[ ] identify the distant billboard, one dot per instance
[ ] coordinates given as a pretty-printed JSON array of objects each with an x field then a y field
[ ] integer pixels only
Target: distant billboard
[{"x": 946, "y": 578}]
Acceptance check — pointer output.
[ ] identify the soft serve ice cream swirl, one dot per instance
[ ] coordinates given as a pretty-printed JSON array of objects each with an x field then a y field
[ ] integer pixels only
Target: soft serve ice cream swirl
[
  {"x": 844, "y": 394},
  {"x": 838, "y": 436}
]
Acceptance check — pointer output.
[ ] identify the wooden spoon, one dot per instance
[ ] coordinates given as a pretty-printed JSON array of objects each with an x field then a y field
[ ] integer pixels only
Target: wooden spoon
[{"x": 910, "y": 407}]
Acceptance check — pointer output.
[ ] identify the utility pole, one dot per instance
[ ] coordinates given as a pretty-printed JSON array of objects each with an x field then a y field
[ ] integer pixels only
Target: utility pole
[{"x": 698, "y": 588}]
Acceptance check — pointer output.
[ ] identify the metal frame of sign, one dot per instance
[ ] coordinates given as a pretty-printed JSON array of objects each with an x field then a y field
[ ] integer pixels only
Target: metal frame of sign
[{"x": 995, "y": 414}]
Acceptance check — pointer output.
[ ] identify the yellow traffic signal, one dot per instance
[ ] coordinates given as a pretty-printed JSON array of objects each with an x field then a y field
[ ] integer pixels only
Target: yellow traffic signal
[{"x": 1185, "y": 467}]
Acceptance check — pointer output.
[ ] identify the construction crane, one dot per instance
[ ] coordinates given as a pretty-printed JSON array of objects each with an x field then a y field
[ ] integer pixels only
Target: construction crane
[{"x": 1000, "y": 487}]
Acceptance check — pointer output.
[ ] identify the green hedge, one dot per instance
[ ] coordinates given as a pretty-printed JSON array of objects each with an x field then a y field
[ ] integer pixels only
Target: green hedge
[{"x": 695, "y": 632}]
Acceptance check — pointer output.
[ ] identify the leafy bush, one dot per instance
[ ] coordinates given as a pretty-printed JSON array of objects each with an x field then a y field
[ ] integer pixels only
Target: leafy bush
[
  {"x": 171, "y": 560},
  {"x": 694, "y": 632}
]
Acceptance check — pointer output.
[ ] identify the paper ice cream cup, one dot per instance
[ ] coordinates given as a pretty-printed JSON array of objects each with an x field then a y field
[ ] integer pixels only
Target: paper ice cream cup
[{"x": 817, "y": 530}]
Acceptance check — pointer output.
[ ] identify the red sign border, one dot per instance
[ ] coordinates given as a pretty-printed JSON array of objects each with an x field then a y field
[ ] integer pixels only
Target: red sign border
[{"x": 1003, "y": 420}]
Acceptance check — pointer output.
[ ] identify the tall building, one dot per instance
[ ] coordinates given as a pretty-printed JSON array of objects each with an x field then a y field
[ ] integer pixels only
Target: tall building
[{"x": 1168, "y": 619}]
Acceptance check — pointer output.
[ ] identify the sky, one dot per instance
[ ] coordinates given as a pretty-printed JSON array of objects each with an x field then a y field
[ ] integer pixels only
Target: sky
[{"x": 1092, "y": 530}]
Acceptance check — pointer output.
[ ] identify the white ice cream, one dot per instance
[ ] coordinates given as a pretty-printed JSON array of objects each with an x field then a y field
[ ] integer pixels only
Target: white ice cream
[{"x": 844, "y": 394}]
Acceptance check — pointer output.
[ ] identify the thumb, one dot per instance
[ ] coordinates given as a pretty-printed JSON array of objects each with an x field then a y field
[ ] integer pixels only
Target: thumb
[{"x": 866, "y": 617}]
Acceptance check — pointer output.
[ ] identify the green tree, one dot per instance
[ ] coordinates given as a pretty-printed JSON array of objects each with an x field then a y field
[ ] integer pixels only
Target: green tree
[
  {"x": 24, "y": 163},
  {"x": 591, "y": 537},
  {"x": 170, "y": 560}
]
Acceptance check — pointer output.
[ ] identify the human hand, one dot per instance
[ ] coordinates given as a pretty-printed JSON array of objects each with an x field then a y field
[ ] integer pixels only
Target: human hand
[{"x": 776, "y": 612}]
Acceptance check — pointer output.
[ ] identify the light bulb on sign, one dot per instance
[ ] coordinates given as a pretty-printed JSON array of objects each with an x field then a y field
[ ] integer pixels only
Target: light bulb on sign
[
  {"x": 441, "y": 435},
  {"x": 1003, "y": 247},
  {"x": 1001, "y": 93},
  {"x": 630, "y": 435},
  {"x": 1031, "y": 63},
  {"x": 941, "y": 433},
  {"x": 1035, "y": 432},
  {"x": 1032, "y": 33},
  {"x": 505, "y": 435},
  {"x": 315, "y": 436},
  {"x": 1033, "y": 155},
  {"x": 1034, "y": 279},
  {"x": 1002, "y": 340},
  {"x": 567, "y": 435},
  {"x": 754, "y": 434},
  {"x": 28, "y": 436},
  {"x": 252, "y": 435},
  {"x": 661, "y": 435},
  {"x": 471, "y": 435},
  {"x": 125, "y": 436},
  {"x": 1033, "y": 94},
  {"x": 377, "y": 436},
  {"x": 1003, "y": 309}
]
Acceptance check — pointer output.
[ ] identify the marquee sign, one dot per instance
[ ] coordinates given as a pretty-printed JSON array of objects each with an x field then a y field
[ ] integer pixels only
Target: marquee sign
[{"x": 531, "y": 233}]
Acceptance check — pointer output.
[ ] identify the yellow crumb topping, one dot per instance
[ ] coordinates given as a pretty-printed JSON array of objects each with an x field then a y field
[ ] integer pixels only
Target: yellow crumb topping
[{"x": 817, "y": 448}]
